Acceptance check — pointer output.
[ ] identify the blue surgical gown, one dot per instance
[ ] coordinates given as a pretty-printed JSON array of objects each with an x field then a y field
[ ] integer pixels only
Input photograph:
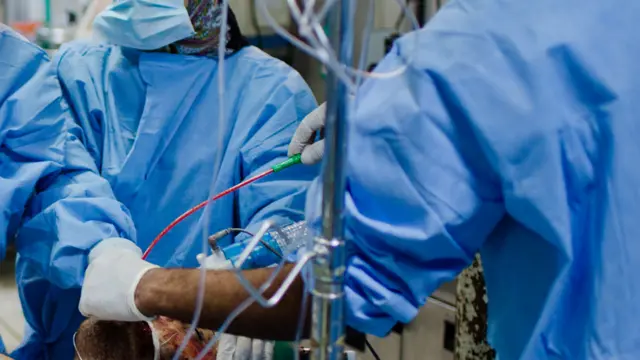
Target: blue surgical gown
[
  {"x": 514, "y": 131},
  {"x": 54, "y": 203},
  {"x": 153, "y": 129}
]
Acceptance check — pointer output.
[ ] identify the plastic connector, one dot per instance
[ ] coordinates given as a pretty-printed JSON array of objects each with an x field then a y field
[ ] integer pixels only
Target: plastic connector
[
  {"x": 293, "y": 160},
  {"x": 213, "y": 239}
]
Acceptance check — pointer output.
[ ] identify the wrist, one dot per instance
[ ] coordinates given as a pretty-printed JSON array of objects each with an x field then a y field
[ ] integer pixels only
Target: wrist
[{"x": 147, "y": 293}]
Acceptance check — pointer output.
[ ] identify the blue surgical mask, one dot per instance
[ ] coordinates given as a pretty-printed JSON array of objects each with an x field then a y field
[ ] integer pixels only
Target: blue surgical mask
[{"x": 144, "y": 24}]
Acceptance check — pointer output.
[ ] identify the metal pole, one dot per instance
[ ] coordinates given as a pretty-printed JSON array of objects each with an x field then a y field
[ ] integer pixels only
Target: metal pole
[{"x": 328, "y": 328}]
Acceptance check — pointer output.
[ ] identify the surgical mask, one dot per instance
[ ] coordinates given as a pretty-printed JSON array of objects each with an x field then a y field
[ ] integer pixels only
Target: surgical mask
[{"x": 144, "y": 24}]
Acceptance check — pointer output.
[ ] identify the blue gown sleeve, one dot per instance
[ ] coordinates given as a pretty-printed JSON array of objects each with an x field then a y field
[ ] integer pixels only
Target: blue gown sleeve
[
  {"x": 29, "y": 150},
  {"x": 421, "y": 196},
  {"x": 72, "y": 209},
  {"x": 275, "y": 103}
]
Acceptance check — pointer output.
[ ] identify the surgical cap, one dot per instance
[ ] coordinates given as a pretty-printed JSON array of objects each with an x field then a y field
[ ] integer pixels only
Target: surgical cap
[{"x": 206, "y": 18}]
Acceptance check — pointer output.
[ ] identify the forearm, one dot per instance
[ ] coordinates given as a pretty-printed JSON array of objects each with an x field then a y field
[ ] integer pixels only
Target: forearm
[{"x": 173, "y": 292}]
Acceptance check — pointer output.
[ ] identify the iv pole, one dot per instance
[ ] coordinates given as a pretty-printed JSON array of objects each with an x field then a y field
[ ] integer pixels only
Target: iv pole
[{"x": 328, "y": 327}]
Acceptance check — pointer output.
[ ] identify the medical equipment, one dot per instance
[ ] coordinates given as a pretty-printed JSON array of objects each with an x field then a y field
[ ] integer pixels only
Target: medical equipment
[
  {"x": 328, "y": 323},
  {"x": 293, "y": 160},
  {"x": 271, "y": 249},
  {"x": 317, "y": 42}
]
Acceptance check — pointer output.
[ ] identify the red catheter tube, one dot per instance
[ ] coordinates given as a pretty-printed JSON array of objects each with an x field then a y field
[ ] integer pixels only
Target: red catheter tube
[{"x": 281, "y": 166}]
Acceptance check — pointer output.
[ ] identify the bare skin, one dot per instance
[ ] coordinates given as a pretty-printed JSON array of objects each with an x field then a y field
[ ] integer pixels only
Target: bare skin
[
  {"x": 172, "y": 293},
  {"x": 113, "y": 340},
  {"x": 105, "y": 340}
]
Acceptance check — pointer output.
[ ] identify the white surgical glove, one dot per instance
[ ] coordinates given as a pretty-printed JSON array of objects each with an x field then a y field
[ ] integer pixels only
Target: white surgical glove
[
  {"x": 216, "y": 261},
  {"x": 115, "y": 269},
  {"x": 303, "y": 139},
  {"x": 233, "y": 347}
]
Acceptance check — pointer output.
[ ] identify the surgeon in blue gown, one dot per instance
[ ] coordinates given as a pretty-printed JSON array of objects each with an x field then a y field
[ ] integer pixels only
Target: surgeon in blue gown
[
  {"x": 152, "y": 125},
  {"x": 513, "y": 132},
  {"x": 51, "y": 194}
]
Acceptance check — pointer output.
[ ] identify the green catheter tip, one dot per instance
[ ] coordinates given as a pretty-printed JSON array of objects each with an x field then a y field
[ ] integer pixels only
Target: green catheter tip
[{"x": 293, "y": 160}]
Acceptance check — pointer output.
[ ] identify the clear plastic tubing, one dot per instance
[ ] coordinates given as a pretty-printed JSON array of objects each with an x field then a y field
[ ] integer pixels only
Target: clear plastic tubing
[{"x": 286, "y": 240}]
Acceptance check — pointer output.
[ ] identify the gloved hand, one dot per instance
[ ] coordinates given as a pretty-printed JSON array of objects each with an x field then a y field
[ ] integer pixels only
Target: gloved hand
[
  {"x": 231, "y": 347},
  {"x": 115, "y": 269},
  {"x": 303, "y": 139},
  {"x": 214, "y": 262}
]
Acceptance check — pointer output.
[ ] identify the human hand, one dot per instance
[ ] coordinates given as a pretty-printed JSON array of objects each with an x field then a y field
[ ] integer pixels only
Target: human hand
[
  {"x": 303, "y": 140},
  {"x": 233, "y": 347},
  {"x": 115, "y": 269}
]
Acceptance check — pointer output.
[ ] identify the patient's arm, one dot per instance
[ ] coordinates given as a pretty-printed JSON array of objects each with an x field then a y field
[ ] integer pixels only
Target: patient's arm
[
  {"x": 112, "y": 340},
  {"x": 172, "y": 292}
]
